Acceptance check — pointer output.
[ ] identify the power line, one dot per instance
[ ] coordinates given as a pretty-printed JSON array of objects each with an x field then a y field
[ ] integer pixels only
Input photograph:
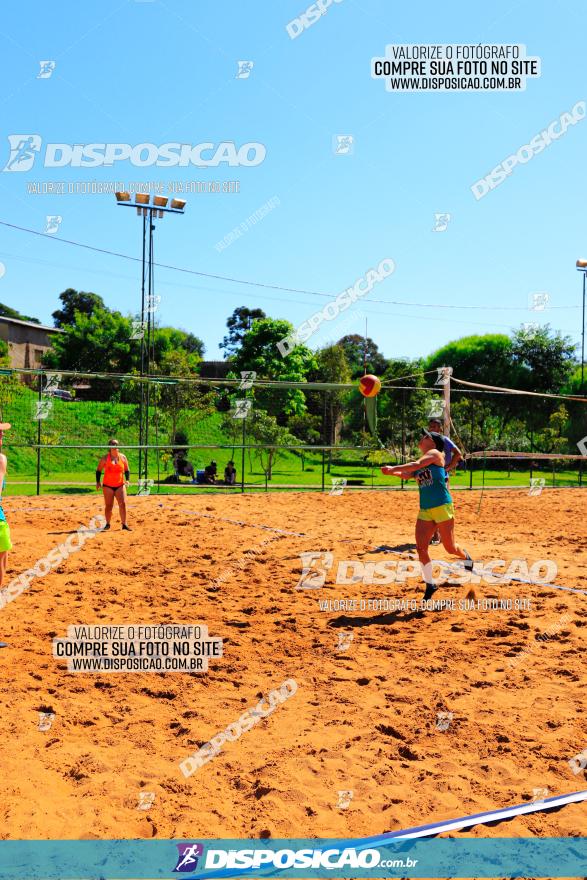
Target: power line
[{"x": 265, "y": 285}]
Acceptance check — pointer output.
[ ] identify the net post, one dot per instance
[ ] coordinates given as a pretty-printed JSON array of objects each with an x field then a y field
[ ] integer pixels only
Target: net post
[
  {"x": 243, "y": 458},
  {"x": 39, "y": 436},
  {"x": 447, "y": 373},
  {"x": 471, "y": 441}
]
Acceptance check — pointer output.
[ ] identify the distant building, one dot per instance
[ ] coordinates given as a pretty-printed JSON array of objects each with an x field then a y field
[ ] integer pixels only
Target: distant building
[{"x": 27, "y": 341}]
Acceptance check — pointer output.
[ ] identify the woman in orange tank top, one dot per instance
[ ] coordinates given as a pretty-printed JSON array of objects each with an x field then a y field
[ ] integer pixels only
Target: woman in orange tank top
[{"x": 116, "y": 477}]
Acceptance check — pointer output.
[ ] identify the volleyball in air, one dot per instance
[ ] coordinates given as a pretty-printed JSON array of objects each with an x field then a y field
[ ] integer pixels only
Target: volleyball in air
[{"x": 369, "y": 385}]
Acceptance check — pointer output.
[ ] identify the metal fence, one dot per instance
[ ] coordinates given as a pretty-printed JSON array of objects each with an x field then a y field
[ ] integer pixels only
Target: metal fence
[{"x": 278, "y": 435}]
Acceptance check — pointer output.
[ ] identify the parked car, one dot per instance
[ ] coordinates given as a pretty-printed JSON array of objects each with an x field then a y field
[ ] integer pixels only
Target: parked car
[{"x": 61, "y": 394}]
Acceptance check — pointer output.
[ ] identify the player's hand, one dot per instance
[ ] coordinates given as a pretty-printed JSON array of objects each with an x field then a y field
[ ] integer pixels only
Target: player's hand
[
  {"x": 98, "y": 487},
  {"x": 387, "y": 470}
]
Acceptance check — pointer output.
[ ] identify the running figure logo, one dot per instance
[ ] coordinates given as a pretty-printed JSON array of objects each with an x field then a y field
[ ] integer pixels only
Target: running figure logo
[
  {"x": 53, "y": 222},
  {"x": 23, "y": 151},
  {"x": 244, "y": 69},
  {"x": 441, "y": 222},
  {"x": 343, "y": 144},
  {"x": 187, "y": 859},
  {"x": 315, "y": 567},
  {"x": 47, "y": 68},
  {"x": 242, "y": 408}
]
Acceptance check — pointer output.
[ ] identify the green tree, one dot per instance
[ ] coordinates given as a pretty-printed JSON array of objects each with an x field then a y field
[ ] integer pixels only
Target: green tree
[
  {"x": 265, "y": 431},
  {"x": 542, "y": 359},
  {"x": 7, "y": 312},
  {"x": 96, "y": 342},
  {"x": 239, "y": 323},
  {"x": 179, "y": 400},
  {"x": 357, "y": 349},
  {"x": 73, "y": 301},
  {"x": 259, "y": 352}
]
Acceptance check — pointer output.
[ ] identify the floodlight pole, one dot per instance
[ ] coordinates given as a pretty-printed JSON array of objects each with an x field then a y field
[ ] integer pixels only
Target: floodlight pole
[{"x": 147, "y": 210}]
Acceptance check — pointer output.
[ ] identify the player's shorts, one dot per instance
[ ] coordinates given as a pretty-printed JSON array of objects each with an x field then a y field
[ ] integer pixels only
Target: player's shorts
[
  {"x": 5, "y": 542},
  {"x": 438, "y": 514}
]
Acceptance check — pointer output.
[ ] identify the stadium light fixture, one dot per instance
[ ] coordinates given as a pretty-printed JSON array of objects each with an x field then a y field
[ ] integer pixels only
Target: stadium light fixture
[
  {"x": 582, "y": 267},
  {"x": 153, "y": 210}
]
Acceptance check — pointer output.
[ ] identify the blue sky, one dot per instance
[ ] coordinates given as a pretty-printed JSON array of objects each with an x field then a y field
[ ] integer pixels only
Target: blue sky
[{"x": 165, "y": 71}]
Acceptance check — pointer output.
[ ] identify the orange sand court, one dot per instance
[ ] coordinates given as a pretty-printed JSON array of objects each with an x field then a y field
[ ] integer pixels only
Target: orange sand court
[{"x": 363, "y": 719}]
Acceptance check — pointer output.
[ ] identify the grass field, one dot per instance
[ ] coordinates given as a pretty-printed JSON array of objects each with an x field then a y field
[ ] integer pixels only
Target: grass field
[{"x": 91, "y": 423}]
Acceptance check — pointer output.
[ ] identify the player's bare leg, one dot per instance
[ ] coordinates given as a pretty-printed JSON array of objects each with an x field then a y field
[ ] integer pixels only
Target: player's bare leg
[{"x": 424, "y": 531}]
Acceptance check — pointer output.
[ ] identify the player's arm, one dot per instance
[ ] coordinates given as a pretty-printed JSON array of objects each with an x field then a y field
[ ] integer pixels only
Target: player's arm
[
  {"x": 126, "y": 470},
  {"x": 406, "y": 470},
  {"x": 99, "y": 470},
  {"x": 456, "y": 457},
  {"x": 3, "y": 465}
]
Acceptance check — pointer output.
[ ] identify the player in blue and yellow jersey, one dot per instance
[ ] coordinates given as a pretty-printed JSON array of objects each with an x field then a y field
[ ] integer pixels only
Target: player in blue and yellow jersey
[
  {"x": 436, "y": 507},
  {"x": 116, "y": 478}
]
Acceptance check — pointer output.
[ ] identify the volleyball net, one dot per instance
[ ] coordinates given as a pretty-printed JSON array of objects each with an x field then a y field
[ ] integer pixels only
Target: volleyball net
[{"x": 280, "y": 435}]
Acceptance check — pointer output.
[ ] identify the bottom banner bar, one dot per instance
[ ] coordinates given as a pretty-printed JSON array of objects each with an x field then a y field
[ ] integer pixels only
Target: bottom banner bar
[{"x": 307, "y": 858}]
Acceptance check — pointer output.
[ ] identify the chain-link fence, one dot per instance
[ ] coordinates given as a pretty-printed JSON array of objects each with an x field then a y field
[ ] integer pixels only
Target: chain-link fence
[{"x": 198, "y": 435}]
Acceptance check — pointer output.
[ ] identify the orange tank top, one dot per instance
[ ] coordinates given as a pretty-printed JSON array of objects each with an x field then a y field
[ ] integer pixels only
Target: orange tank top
[{"x": 114, "y": 471}]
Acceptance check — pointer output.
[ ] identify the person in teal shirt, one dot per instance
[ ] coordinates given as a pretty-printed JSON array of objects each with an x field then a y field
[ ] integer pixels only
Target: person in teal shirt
[{"x": 436, "y": 506}]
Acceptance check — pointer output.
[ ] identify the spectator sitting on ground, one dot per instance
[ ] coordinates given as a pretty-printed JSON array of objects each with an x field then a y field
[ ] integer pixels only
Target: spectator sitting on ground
[
  {"x": 230, "y": 474},
  {"x": 210, "y": 472},
  {"x": 183, "y": 467}
]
